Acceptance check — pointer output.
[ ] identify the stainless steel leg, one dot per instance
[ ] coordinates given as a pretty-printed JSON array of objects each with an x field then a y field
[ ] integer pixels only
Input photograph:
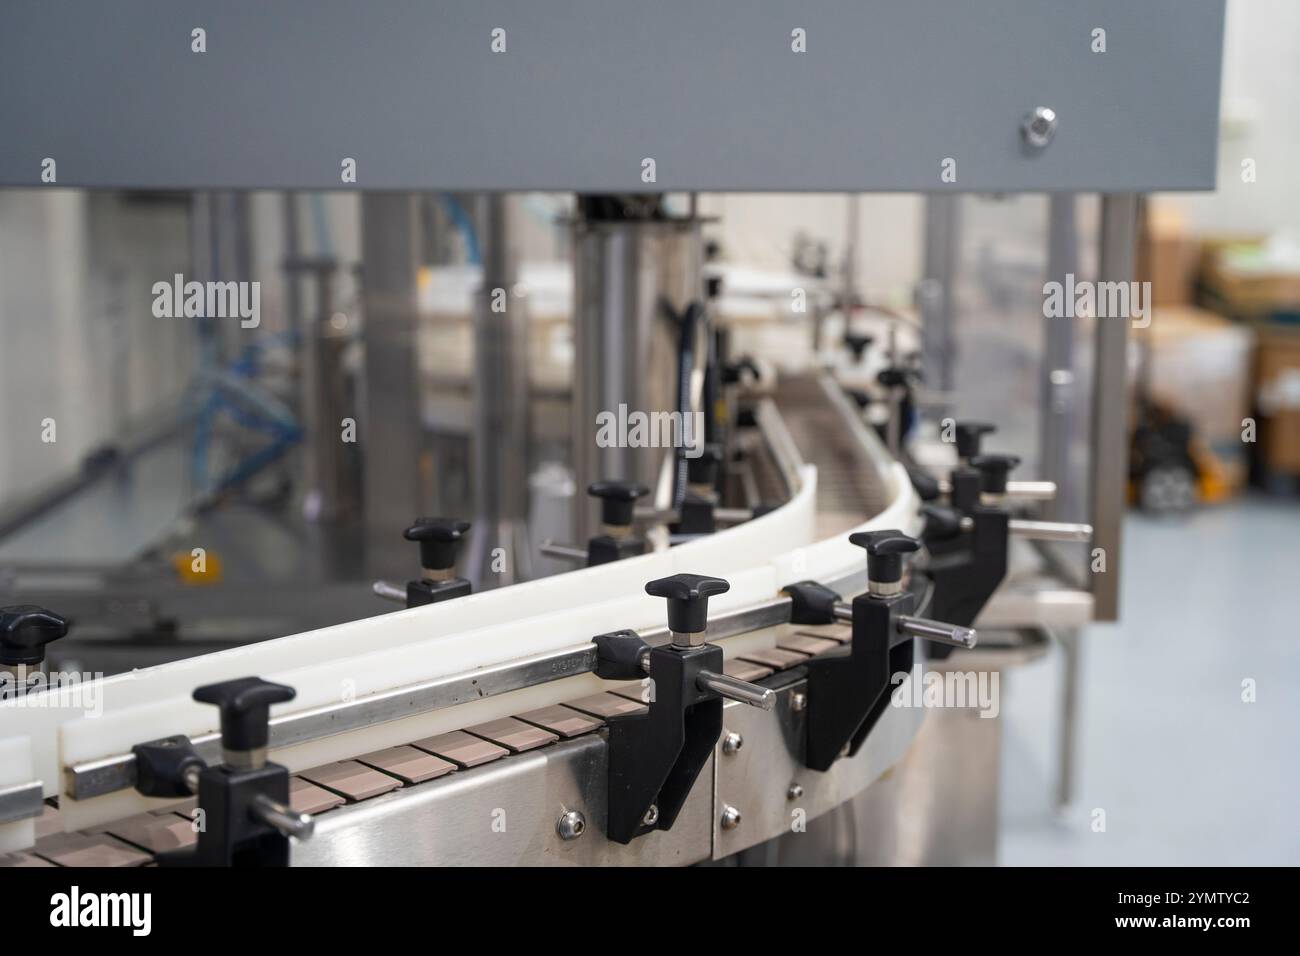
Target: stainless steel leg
[
  {"x": 1058, "y": 387},
  {"x": 1109, "y": 466},
  {"x": 1067, "y": 749}
]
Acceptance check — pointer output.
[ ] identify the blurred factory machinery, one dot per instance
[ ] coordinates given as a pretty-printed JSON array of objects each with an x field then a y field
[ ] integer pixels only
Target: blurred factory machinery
[{"x": 547, "y": 501}]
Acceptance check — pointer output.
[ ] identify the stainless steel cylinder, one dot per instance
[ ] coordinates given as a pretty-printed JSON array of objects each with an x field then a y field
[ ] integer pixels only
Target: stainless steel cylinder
[{"x": 631, "y": 276}]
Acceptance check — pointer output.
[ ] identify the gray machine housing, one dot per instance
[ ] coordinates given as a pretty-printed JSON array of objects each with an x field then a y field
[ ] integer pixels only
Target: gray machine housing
[{"x": 586, "y": 90}]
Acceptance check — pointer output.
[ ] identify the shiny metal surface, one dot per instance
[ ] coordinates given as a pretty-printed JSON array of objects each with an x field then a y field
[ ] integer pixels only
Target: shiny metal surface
[
  {"x": 1016, "y": 490},
  {"x": 1031, "y": 490},
  {"x": 500, "y": 384},
  {"x": 1036, "y": 604},
  {"x": 95, "y": 778},
  {"x": 276, "y": 815},
  {"x": 766, "y": 783},
  {"x": 1050, "y": 530},
  {"x": 389, "y": 592},
  {"x": 937, "y": 631},
  {"x": 627, "y": 274},
  {"x": 21, "y": 802},
  {"x": 741, "y": 691},
  {"x": 1109, "y": 465},
  {"x": 390, "y": 248},
  {"x": 566, "y": 551},
  {"x": 571, "y": 825},
  {"x": 504, "y": 814},
  {"x": 1039, "y": 127}
]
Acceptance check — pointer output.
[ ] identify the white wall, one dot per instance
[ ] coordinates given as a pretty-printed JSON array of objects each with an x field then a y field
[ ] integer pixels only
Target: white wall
[
  {"x": 758, "y": 229},
  {"x": 1260, "y": 121}
]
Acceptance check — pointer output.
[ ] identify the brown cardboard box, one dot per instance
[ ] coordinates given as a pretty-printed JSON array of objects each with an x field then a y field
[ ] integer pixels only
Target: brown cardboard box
[
  {"x": 1198, "y": 366},
  {"x": 1249, "y": 294},
  {"x": 1277, "y": 397},
  {"x": 1167, "y": 255}
]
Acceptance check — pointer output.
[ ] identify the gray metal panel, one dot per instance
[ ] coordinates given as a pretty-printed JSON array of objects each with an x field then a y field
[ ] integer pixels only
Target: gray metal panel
[{"x": 587, "y": 88}]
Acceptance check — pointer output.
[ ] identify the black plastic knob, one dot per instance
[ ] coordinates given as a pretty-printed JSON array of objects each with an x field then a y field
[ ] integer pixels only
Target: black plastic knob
[
  {"x": 732, "y": 372},
  {"x": 25, "y": 629},
  {"x": 892, "y": 376},
  {"x": 245, "y": 705},
  {"x": 926, "y": 485},
  {"x": 885, "y": 551},
  {"x": 712, "y": 287},
  {"x": 440, "y": 540},
  {"x": 969, "y": 436},
  {"x": 941, "y": 522},
  {"x": 617, "y": 500},
  {"x": 688, "y": 599},
  {"x": 858, "y": 344},
  {"x": 703, "y": 470},
  {"x": 859, "y": 397},
  {"x": 993, "y": 471}
]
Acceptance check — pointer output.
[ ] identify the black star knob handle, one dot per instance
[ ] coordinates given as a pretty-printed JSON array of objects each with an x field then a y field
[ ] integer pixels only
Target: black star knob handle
[
  {"x": 970, "y": 435},
  {"x": 440, "y": 540},
  {"x": 993, "y": 471},
  {"x": 941, "y": 522},
  {"x": 858, "y": 344},
  {"x": 885, "y": 551},
  {"x": 688, "y": 599},
  {"x": 245, "y": 705},
  {"x": 617, "y": 500},
  {"x": 926, "y": 485},
  {"x": 25, "y": 629}
]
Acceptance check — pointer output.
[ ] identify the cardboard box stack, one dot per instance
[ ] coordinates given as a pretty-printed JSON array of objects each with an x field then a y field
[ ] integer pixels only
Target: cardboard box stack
[{"x": 1277, "y": 398}]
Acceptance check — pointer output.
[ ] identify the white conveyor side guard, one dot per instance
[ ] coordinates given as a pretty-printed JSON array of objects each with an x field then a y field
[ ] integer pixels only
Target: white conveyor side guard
[{"x": 356, "y": 659}]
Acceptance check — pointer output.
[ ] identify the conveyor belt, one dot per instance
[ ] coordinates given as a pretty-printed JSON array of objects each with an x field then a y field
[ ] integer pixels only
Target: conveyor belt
[
  {"x": 134, "y": 841},
  {"x": 846, "y": 489}
]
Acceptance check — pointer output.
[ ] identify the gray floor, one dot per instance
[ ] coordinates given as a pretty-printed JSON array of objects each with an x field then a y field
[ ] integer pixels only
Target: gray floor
[{"x": 1185, "y": 771}]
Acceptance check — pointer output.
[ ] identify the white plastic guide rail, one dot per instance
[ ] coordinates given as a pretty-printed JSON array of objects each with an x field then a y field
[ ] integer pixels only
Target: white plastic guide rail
[{"x": 396, "y": 677}]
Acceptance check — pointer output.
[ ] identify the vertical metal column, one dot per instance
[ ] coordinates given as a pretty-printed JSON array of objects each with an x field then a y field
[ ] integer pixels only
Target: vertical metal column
[
  {"x": 1067, "y": 734},
  {"x": 935, "y": 294},
  {"x": 501, "y": 436},
  {"x": 331, "y": 466},
  {"x": 632, "y": 273},
  {"x": 1057, "y": 386},
  {"x": 849, "y": 291},
  {"x": 389, "y": 429},
  {"x": 1110, "y": 435}
]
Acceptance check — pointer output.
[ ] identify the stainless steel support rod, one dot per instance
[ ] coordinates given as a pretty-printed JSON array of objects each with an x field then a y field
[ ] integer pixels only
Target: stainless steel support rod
[
  {"x": 1016, "y": 490},
  {"x": 763, "y": 698},
  {"x": 938, "y": 631},
  {"x": 285, "y": 819},
  {"x": 1031, "y": 490},
  {"x": 389, "y": 592},
  {"x": 567, "y": 551},
  {"x": 1050, "y": 530}
]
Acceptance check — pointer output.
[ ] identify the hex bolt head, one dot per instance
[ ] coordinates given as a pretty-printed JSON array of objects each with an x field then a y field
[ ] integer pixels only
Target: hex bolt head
[
  {"x": 571, "y": 825},
  {"x": 1039, "y": 127},
  {"x": 730, "y": 818},
  {"x": 732, "y": 742},
  {"x": 798, "y": 702},
  {"x": 794, "y": 792},
  {"x": 651, "y": 816}
]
